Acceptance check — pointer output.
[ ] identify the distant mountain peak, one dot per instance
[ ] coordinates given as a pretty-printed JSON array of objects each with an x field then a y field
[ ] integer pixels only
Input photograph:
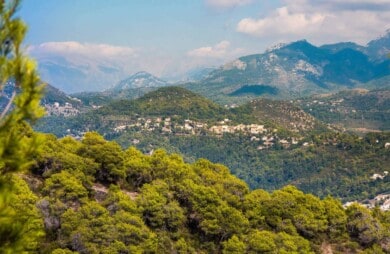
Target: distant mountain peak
[
  {"x": 299, "y": 45},
  {"x": 142, "y": 74},
  {"x": 379, "y": 48},
  {"x": 276, "y": 47},
  {"x": 140, "y": 79},
  {"x": 385, "y": 35},
  {"x": 297, "y": 69},
  {"x": 291, "y": 45},
  {"x": 299, "y": 42}
]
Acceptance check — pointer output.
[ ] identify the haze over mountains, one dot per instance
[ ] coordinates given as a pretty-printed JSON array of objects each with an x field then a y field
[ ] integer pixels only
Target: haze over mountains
[
  {"x": 222, "y": 122},
  {"x": 299, "y": 69},
  {"x": 138, "y": 80},
  {"x": 287, "y": 70}
]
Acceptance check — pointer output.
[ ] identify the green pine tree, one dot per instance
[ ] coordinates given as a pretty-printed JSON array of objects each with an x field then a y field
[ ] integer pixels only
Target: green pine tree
[{"x": 17, "y": 140}]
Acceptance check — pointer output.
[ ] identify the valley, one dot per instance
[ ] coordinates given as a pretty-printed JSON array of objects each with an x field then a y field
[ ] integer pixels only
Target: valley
[
  {"x": 265, "y": 142},
  {"x": 297, "y": 114},
  {"x": 227, "y": 150}
]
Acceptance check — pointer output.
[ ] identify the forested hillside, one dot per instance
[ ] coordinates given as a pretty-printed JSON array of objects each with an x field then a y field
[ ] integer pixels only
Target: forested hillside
[
  {"x": 266, "y": 143},
  {"x": 94, "y": 197},
  {"x": 358, "y": 110}
]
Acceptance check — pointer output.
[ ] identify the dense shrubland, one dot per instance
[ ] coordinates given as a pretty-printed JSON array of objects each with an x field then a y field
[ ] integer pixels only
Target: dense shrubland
[{"x": 94, "y": 197}]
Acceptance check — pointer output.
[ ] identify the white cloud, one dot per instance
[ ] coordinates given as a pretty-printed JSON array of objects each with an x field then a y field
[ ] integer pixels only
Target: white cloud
[
  {"x": 282, "y": 21},
  {"x": 322, "y": 21},
  {"x": 91, "y": 50},
  {"x": 224, "y": 4},
  {"x": 217, "y": 51},
  {"x": 221, "y": 50}
]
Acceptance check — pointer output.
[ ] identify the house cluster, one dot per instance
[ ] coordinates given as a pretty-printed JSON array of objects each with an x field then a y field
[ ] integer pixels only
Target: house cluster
[
  {"x": 301, "y": 122},
  {"x": 379, "y": 176},
  {"x": 166, "y": 125},
  {"x": 269, "y": 141},
  {"x": 265, "y": 138},
  {"x": 382, "y": 201},
  {"x": 333, "y": 106},
  {"x": 61, "y": 110},
  {"x": 223, "y": 127},
  {"x": 147, "y": 124}
]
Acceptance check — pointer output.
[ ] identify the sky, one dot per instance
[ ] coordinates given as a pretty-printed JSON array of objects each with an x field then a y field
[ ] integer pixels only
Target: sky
[{"x": 170, "y": 37}]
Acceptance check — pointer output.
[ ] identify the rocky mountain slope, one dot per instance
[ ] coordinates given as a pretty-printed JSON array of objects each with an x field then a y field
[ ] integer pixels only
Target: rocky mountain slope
[
  {"x": 130, "y": 88},
  {"x": 297, "y": 69},
  {"x": 138, "y": 80}
]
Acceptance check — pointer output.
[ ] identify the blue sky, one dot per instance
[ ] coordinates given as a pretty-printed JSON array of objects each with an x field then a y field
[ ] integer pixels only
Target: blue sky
[
  {"x": 170, "y": 37},
  {"x": 172, "y": 25}
]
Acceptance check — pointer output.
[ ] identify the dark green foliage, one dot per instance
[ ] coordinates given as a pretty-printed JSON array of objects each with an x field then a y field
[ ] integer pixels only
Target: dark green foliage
[
  {"x": 255, "y": 90},
  {"x": 108, "y": 155},
  {"x": 356, "y": 110},
  {"x": 323, "y": 162},
  {"x": 174, "y": 102},
  {"x": 362, "y": 226},
  {"x": 342, "y": 71},
  {"x": 160, "y": 204},
  {"x": 52, "y": 95},
  {"x": 335, "y": 164},
  {"x": 66, "y": 186},
  {"x": 20, "y": 226},
  {"x": 93, "y": 98},
  {"x": 168, "y": 101}
]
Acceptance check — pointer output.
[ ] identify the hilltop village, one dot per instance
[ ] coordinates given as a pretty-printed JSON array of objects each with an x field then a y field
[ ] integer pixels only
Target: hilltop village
[{"x": 257, "y": 133}]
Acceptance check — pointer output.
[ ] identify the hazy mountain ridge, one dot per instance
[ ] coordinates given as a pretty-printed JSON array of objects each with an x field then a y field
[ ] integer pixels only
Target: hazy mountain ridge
[
  {"x": 199, "y": 74},
  {"x": 132, "y": 87},
  {"x": 138, "y": 80},
  {"x": 52, "y": 95},
  {"x": 298, "y": 69},
  {"x": 295, "y": 69},
  {"x": 379, "y": 49},
  {"x": 78, "y": 75}
]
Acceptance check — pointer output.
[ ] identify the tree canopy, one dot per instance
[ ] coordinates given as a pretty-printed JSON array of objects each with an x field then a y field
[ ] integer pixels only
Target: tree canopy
[{"x": 17, "y": 140}]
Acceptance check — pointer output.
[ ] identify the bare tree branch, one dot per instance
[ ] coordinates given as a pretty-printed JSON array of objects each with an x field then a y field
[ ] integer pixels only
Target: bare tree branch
[{"x": 7, "y": 108}]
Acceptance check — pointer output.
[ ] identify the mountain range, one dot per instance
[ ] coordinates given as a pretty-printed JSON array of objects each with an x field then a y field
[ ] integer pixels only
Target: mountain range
[
  {"x": 139, "y": 80},
  {"x": 284, "y": 71},
  {"x": 303, "y": 141},
  {"x": 298, "y": 69},
  {"x": 132, "y": 87}
]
